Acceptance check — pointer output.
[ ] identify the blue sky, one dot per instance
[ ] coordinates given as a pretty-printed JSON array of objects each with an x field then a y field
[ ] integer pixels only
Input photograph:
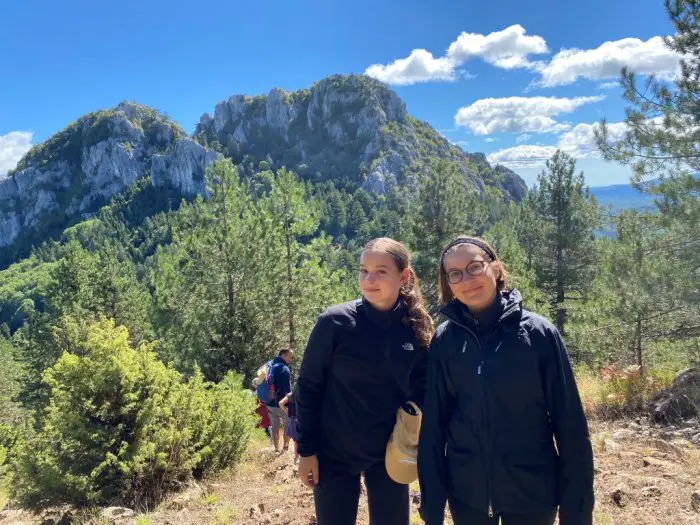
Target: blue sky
[{"x": 504, "y": 87}]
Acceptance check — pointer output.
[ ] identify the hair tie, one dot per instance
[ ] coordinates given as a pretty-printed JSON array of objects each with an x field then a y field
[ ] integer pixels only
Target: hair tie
[{"x": 465, "y": 240}]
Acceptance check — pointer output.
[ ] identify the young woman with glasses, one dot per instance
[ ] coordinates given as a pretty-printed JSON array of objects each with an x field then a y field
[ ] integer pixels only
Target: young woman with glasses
[{"x": 504, "y": 435}]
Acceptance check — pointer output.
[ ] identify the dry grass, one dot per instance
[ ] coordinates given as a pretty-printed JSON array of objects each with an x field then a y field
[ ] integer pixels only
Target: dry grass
[{"x": 614, "y": 393}]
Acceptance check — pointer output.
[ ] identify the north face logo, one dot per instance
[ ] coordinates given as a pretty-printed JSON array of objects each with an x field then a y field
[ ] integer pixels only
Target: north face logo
[{"x": 408, "y": 347}]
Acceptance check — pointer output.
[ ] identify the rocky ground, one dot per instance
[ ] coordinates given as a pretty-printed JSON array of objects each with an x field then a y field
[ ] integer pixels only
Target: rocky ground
[{"x": 644, "y": 475}]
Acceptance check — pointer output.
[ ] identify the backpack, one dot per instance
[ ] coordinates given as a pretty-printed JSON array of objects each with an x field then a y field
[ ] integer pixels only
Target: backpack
[{"x": 266, "y": 388}]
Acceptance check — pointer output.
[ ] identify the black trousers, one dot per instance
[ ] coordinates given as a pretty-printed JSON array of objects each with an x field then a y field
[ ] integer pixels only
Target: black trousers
[
  {"x": 336, "y": 501},
  {"x": 465, "y": 515}
]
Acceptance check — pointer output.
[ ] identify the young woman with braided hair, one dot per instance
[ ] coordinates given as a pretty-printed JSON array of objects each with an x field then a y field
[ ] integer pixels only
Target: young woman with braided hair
[{"x": 363, "y": 360}]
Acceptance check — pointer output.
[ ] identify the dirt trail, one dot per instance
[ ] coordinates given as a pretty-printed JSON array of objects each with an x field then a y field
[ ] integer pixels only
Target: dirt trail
[{"x": 643, "y": 477}]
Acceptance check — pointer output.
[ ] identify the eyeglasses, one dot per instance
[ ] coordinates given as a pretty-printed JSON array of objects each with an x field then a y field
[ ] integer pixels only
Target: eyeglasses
[{"x": 473, "y": 269}]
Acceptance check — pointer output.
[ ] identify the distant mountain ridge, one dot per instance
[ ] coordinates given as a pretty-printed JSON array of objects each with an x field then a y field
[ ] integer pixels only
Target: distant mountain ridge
[
  {"x": 623, "y": 196},
  {"x": 348, "y": 129}
]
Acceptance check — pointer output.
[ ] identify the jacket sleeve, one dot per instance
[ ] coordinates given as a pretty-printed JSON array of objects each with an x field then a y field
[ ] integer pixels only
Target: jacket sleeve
[
  {"x": 432, "y": 463},
  {"x": 573, "y": 440},
  {"x": 311, "y": 384}
]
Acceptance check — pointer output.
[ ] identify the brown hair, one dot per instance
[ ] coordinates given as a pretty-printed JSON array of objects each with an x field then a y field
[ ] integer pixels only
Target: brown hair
[
  {"x": 444, "y": 285},
  {"x": 284, "y": 351},
  {"x": 418, "y": 315}
]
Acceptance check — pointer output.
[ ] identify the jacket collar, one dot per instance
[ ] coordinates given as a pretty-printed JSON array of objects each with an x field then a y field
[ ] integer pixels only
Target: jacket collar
[
  {"x": 381, "y": 318},
  {"x": 279, "y": 361},
  {"x": 509, "y": 317}
]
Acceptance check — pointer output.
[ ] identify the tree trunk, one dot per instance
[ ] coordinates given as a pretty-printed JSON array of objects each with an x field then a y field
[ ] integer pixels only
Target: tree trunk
[
  {"x": 559, "y": 305},
  {"x": 290, "y": 292},
  {"x": 638, "y": 342}
]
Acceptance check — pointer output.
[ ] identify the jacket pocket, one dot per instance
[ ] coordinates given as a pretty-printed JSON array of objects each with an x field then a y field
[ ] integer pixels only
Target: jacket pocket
[
  {"x": 530, "y": 477},
  {"x": 467, "y": 476}
]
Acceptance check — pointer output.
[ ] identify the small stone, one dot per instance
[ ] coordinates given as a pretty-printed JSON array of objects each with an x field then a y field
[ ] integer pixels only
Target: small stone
[
  {"x": 620, "y": 497},
  {"x": 695, "y": 501},
  {"x": 653, "y": 462},
  {"x": 117, "y": 514},
  {"x": 651, "y": 492},
  {"x": 610, "y": 445},
  {"x": 415, "y": 498},
  {"x": 621, "y": 435}
]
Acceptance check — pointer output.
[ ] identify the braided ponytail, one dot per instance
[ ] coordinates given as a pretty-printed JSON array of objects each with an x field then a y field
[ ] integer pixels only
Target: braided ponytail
[{"x": 418, "y": 315}]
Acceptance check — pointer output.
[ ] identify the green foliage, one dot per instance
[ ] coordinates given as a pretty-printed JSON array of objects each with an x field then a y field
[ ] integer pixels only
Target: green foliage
[
  {"x": 10, "y": 373},
  {"x": 120, "y": 426},
  {"x": 637, "y": 307},
  {"x": 662, "y": 141},
  {"x": 447, "y": 208},
  {"x": 239, "y": 281},
  {"x": 22, "y": 290},
  {"x": 559, "y": 241},
  {"x": 503, "y": 237}
]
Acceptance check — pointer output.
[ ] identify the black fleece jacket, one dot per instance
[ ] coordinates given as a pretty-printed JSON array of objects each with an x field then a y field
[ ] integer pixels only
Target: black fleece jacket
[
  {"x": 503, "y": 426},
  {"x": 359, "y": 366}
]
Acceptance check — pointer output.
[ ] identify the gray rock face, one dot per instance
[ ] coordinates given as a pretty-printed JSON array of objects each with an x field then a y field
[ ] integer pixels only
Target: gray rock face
[
  {"x": 354, "y": 118},
  {"x": 350, "y": 127},
  {"x": 183, "y": 167},
  {"x": 133, "y": 138}
]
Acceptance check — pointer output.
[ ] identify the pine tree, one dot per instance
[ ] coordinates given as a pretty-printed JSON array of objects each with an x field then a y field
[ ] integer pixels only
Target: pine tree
[
  {"x": 662, "y": 140},
  {"x": 291, "y": 217},
  {"x": 566, "y": 217},
  {"x": 447, "y": 207}
]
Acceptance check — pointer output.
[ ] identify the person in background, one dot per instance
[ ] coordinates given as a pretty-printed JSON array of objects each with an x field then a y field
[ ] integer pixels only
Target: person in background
[
  {"x": 504, "y": 435},
  {"x": 261, "y": 410},
  {"x": 281, "y": 381},
  {"x": 288, "y": 404},
  {"x": 363, "y": 360}
]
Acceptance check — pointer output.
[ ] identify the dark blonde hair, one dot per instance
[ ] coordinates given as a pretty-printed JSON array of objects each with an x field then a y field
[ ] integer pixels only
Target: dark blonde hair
[
  {"x": 488, "y": 250},
  {"x": 418, "y": 315}
]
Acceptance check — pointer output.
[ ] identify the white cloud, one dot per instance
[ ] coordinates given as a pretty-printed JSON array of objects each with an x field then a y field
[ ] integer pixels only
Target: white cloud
[
  {"x": 489, "y": 140},
  {"x": 608, "y": 85},
  {"x": 420, "y": 66},
  {"x": 579, "y": 143},
  {"x": 606, "y": 61},
  {"x": 523, "y": 138},
  {"x": 518, "y": 114},
  {"x": 506, "y": 49},
  {"x": 13, "y": 146},
  {"x": 523, "y": 156}
]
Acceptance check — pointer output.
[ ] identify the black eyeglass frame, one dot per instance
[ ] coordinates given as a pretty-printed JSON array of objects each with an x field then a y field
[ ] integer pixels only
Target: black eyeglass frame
[{"x": 480, "y": 271}]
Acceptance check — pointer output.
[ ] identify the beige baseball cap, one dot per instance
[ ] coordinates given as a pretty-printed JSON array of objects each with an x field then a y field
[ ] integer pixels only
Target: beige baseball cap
[{"x": 401, "y": 458}]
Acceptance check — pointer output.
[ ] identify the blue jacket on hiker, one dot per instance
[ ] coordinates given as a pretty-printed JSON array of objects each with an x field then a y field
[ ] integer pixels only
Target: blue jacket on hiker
[
  {"x": 281, "y": 379},
  {"x": 501, "y": 391}
]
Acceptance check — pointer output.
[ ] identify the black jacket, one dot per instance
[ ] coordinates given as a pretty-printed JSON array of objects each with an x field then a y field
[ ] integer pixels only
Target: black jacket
[
  {"x": 359, "y": 366},
  {"x": 494, "y": 403}
]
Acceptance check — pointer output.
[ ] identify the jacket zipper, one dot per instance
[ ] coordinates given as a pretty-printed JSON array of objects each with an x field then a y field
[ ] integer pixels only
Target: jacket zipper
[{"x": 481, "y": 370}]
